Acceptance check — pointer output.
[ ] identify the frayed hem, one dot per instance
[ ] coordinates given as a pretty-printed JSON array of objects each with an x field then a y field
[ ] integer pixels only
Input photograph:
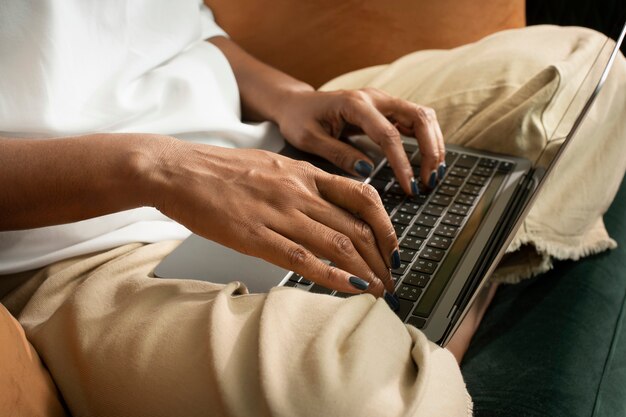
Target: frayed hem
[{"x": 546, "y": 251}]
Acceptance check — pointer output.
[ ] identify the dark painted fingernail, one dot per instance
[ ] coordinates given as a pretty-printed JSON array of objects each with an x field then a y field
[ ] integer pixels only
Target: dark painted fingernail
[
  {"x": 358, "y": 283},
  {"x": 395, "y": 259},
  {"x": 414, "y": 187},
  {"x": 363, "y": 168},
  {"x": 441, "y": 171},
  {"x": 392, "y": 301},
  {"x": 432, "y": 181}
]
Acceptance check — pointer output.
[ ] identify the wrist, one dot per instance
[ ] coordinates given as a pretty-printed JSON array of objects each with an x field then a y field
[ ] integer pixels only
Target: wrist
[{"x": 147, "y": 171}]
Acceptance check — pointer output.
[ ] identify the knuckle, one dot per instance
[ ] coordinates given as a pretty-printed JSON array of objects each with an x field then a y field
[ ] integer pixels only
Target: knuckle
[
  {"x": 365, "y": 233},
  {"x": 330, "y": 274},
  {"x": 341, "y": 244},
  {"x": 426, "y": 114},
  {"x": 369, "y": 193},
  {"x": 339, "y": 157},
  {"x": 297, "y": 256},
  {"x": 390, "y": 135}
]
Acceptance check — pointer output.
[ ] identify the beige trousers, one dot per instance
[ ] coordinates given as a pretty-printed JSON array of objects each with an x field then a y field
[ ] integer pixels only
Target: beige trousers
[{"x": 121, "y": 343}]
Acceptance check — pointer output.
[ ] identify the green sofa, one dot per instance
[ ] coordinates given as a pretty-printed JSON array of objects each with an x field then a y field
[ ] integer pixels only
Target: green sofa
[{"x": 556, "y": 345}]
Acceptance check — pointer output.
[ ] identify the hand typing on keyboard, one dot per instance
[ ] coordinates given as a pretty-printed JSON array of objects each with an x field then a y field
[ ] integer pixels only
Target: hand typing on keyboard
[
  {"x": 312, "y": 120},
  {"x": 285, "y": 211}
]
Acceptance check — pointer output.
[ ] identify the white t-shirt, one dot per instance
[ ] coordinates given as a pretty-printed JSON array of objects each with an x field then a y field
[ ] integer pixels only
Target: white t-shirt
[{"x": 74, "y": 67}]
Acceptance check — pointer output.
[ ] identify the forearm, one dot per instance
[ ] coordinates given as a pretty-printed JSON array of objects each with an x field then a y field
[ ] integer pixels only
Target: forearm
[
  {"x": 263, "y": 89},
  {"x": 56, "y": 181}
]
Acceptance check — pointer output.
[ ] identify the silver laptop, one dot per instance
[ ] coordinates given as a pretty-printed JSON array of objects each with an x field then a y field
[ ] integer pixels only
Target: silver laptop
[{"x": 450, "y": 240}]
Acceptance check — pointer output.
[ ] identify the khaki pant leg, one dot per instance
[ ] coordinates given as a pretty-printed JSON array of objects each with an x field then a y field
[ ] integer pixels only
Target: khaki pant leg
[{"x": 120, "y": 343}]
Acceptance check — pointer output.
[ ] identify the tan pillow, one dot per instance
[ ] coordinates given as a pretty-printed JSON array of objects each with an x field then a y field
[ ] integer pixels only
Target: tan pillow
[
  {"x": 26, "y": 388},
  {"x": 316, "y": 40}
]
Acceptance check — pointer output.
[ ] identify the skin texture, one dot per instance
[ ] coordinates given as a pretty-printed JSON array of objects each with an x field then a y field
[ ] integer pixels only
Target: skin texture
[{"x": 284, "y": 211}]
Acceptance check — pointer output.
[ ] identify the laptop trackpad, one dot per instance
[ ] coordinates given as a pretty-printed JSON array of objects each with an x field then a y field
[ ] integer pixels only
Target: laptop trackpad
[{"x": 201, "y": 259}]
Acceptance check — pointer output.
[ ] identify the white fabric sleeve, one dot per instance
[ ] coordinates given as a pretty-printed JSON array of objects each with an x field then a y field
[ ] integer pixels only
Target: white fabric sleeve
[{"x": 207, "y": 23}]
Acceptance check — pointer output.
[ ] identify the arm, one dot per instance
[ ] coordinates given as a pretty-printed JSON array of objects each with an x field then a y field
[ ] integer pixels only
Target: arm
[
  {"x": 284, "y": 211},
  {"x": 55, "y": 181}
]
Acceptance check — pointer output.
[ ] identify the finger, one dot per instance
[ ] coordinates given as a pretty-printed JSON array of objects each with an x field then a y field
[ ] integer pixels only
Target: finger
[
  {"x": 332, "y": 245},
  {"x": 338, "y": 153},
  {"x": 362, "y": 200},
  {"x": 281, "y": 251},
  {"x": 385, "y": 134},
  {"x": 441, "y": 170},
  {"x": 360, "y": 234},
  {"x": 422, "y": 123}
]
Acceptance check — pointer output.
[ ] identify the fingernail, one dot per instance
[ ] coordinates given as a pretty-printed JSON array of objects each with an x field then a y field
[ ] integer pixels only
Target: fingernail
[
  {"x": 432, "y": 181},
  {"x": 395, "y": 259},
  {"x": 392, "y": 301},
  {"x": 363, "y": 168},
  {"x": 414, "y": 188},
  {"x": 358, "y": 283},
  {"x": 441, "y": 170}
]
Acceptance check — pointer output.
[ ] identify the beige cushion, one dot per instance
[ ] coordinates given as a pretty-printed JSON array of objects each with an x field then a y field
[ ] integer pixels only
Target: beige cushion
[
  {"x": 315, "y": 40},
  {"x": 26, "y": 388},
  {"x": 507, "y": 93}
]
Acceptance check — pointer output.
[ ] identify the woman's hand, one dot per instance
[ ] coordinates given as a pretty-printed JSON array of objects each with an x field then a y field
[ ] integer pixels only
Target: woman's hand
[
  {"x": 284, "y": 211},
  {"x": 312, "y": 121}
]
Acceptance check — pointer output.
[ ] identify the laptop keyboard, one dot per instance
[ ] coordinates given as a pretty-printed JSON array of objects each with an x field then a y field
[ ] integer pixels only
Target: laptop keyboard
[{"x": 433, "y": 228}]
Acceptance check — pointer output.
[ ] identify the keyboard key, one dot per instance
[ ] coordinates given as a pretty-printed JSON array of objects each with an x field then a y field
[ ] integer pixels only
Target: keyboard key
[
  {"x": 416, "y": 278},
  {"x": 318, "y": 289},
  {"x": 392, "y": 199},
  {"x": 418, "y": 199},
  {"x": 454, "y": 181},
  {"x": 424, "y": 266},
  {"x": 505, "y": 166},
  {"x": 396, "y": 189},
  {"x": 305, "y": 281},
  {"x": 405, "y": 308},
  {"x": 399, "y": 228},
  {"x": 441, "y": 200},
  {"x": 467, "y": 161},
  {"x": 459, "y": 172},
  {"x": 402, "y": 218},
  {"x": 471, "y": 189},
  {"x": 459, "y": 209},
  {"x": 451, "y": 157},
  {"x": 290, "y": 284},
  {"x": 395, "y": 278},
  {"x": 411, "y": 242},
  {"x": 426, "y": 220},
  {"x": 477, "y": 180},
  {"x": 407, "y": 255},
  {"x": 448, "y": 190},
  {"x": 452, "y": 220},
  {"x": 401, "y": 269},
  {"x": 410, "y": 208},
  {"x": 385, "y": 174},
  {"x": 379, "y": 185},
  {"x": 433, "y": 210},
  {"x": 419, "y": 231},
  {"x": 432, "y": 254},
  {"x": 408, "y": 292},
  {"x": 487, "y": 162},
  {"x": 446, "y": 231},
  {"x": 466, "y": 199},
  {"x": 483, "y": 171},
  {"x": 416, "y": 321},
  {"x": 294, "y": 278},
  {"x": 439, "y": 242}
]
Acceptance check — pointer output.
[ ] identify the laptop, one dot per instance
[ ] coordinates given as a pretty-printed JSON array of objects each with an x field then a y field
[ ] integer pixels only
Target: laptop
[{"x": 450, "y": 239}]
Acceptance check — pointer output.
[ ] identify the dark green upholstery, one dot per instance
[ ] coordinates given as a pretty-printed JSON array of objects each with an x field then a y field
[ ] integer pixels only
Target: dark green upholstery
[{"x": 556, "y": 345}]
